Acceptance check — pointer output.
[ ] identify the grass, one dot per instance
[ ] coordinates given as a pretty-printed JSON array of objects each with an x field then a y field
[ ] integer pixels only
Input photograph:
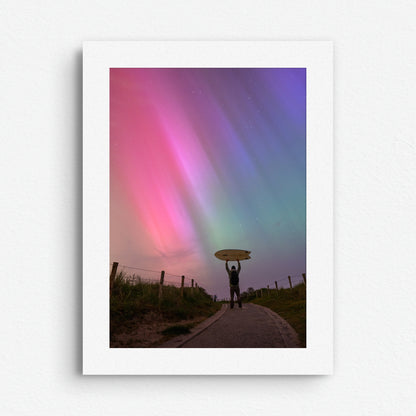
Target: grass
[
  {"x": 176, "y": 330},
  {"x": 133, "y": 304},
  {"x": 290, "y": 304}
]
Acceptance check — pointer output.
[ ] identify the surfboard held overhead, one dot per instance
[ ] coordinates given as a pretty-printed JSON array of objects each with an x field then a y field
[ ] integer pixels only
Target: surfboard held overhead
[{"x": 233, "y": 254}]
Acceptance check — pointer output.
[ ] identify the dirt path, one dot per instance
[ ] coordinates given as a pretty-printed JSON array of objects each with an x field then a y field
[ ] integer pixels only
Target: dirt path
[{"x": 252, "y": 326}]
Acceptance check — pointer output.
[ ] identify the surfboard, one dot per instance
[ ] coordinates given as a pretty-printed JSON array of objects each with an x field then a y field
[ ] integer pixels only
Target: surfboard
[{"x": 233, "y": 254}]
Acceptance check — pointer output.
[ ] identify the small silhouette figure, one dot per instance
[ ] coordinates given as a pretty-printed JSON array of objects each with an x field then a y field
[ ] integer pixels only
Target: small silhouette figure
[{"x": 233, "y": 276}]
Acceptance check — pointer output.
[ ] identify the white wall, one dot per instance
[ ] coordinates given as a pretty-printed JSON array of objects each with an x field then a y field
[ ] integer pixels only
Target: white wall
[{"x": 375, "y": 205}]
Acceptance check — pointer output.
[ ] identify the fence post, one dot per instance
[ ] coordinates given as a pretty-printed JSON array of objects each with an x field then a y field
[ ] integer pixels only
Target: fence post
[
  {"x": 192, "y": 286},
  {"x": 290, "y": 282},
  {"x": 275, "y": 283},
  {"x": 113, "y": 275},
  {"x": 268, "y": 290},
  {"x": 304, "y": 278},
  {"x": 182, "y": 284},
  {"x": 162, "y": 278}
]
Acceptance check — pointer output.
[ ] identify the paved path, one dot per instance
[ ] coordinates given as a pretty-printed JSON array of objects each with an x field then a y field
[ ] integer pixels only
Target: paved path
[{"x": 252, "y": 326}]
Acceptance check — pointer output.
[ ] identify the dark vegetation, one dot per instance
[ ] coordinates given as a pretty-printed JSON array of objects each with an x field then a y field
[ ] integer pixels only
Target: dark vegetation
[
  {"x": 138, "y": 303},
  {"x": 177, "y": 330}
]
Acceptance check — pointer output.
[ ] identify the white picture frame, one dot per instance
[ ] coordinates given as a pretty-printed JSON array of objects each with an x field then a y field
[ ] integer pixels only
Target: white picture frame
[{"x": 98, "y": 357}]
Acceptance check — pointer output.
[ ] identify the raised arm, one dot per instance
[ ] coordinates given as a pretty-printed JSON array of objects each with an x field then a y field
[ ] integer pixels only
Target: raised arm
[
  {"x": 239, "y": 266},
  {"x": 226, "y": 266}
]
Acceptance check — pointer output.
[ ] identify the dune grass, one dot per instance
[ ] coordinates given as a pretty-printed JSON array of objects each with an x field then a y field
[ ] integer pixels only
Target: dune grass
[
  {"x": 133, "y": 303},
  {"x": 177, "y": 330}
]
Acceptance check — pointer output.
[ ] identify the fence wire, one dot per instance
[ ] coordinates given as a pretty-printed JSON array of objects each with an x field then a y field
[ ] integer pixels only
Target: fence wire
[
  {"x": 139, "y": 275},
  {"x": 134, "y": 274}
]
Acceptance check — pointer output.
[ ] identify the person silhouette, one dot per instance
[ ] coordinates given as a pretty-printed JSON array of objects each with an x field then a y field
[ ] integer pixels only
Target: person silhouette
[{"x": 233, "y": 276}]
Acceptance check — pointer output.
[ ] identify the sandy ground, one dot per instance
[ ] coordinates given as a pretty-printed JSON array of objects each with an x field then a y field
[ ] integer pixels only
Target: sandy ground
[{"x": 146, "y": 333}]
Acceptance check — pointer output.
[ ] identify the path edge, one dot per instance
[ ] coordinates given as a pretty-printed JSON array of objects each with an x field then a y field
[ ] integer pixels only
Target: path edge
[
  {"x": 289, "y": 335},
  {"x": 177, "y": 342}
]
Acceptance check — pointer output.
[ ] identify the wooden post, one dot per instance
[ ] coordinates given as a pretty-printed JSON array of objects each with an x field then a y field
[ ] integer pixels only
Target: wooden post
[
  {"x": 268, "y": 290},
  {"x": 113, "y": 275},
  {"x": 182, "y": 284},
  {"x": 290, "y": 282},
  {"x": 192, "y": 286},
  {"x": 275, "y": 283},
  {"x": 162, "y": 278},
  {"x": 304, "y": 278}
]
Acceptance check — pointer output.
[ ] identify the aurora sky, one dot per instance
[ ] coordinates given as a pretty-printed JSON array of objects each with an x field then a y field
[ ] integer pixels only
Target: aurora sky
[{"x": 203, "y": 159}]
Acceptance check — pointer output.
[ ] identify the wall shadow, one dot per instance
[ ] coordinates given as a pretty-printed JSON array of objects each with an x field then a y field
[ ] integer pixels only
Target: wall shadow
[{"x": 77, "y": 331}]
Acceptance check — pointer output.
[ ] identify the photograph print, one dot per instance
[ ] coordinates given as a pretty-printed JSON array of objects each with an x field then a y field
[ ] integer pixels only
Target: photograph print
[{"x": 207, "y": 171}]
